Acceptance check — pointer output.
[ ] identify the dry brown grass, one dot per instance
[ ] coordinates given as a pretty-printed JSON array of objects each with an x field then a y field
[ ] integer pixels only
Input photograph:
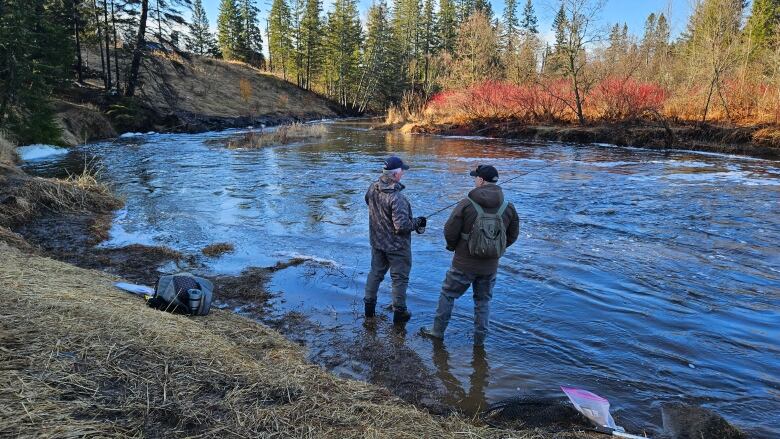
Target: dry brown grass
[
  {"x": 282, "y": 135},
  {"x": 80, "y": 358},
  {"x": 7, "y": 151},
  {"x": 25, "y": 196},
  {"x": 212, "y": 87},
  {"x": 218, "y": 249},
  {"x": 768, "y": 136}
]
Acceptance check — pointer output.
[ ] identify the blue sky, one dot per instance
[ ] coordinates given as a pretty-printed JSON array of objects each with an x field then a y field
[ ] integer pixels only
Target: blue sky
[{"x": 632, "y": 12}]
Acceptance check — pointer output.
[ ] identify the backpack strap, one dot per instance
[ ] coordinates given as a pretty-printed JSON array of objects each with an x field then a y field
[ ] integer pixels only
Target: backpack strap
[
  {"x": 480, "y": 212},
  {"x": 502, "y": 208}
]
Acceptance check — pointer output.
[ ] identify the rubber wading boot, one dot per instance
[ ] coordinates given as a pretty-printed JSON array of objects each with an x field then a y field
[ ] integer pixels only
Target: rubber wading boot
[
  {"x": 370, "y": 308},
  {"x": 432, "y": 333},
  {"x": 401, "y": 317}
]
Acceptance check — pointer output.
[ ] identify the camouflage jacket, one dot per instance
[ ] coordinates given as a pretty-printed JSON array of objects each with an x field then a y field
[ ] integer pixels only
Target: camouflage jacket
[{"x": 389, "y": 215}]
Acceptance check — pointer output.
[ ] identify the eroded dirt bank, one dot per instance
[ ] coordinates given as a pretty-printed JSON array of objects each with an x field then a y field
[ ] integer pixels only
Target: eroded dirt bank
[{"x": 757, "y": 141}]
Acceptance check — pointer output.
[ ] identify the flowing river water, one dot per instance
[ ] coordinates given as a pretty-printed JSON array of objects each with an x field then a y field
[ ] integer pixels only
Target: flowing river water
[{"x": 643, "y": 276}]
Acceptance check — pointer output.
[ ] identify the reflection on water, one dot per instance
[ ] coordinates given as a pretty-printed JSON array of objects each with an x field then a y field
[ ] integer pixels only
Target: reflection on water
[
  {"x": 643, "y": 276},
  {"x": 472, "y": 401}
]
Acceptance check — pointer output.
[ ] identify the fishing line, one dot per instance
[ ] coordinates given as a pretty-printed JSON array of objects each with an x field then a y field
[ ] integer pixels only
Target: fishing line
[{"x": 504, "y": 182}]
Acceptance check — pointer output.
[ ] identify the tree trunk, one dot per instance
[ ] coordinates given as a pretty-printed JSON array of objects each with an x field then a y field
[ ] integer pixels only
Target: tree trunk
[
  {"x": 707, "y": 104},
  {"x": 577, "y": 97},
  {"x": 116, "y": 51},
  {"x": 159, "y": 24},
  {"x": 106, "y": 81},
  {"x": 140, "y": 40},
  {"x": 108, "y": 40},
  {"x": 76, "y": 29}
]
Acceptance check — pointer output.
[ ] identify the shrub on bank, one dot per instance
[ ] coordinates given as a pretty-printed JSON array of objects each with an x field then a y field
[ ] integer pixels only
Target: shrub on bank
[
  {"x": 613, "y": 99},
  {"x": 494, "y": 100},
  {"x": 617, "y": 99}
]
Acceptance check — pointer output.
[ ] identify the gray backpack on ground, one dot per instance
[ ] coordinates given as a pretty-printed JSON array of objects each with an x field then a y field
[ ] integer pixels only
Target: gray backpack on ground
[
  {"x": 183, "y": 293},
  {"x": 488, "y": 235}
]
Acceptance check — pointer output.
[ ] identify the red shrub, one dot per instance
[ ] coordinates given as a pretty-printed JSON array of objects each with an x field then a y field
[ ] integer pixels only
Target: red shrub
[
  {"x": 501, "y": 100},
  {"x": 624, "y": 98}
]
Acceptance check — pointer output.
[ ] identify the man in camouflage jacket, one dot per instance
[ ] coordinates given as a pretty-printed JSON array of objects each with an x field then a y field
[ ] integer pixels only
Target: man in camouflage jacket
[{"x": 390, "y": 230}]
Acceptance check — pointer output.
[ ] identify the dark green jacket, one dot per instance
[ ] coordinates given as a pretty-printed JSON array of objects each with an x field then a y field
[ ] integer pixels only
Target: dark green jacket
[{"x": 490, "y": 197}]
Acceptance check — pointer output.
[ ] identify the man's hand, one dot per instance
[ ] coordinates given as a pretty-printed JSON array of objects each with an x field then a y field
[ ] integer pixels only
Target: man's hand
[{"x": 419, "y": 224}]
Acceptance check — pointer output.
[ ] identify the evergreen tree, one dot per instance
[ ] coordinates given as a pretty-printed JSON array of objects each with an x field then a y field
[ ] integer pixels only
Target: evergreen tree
[
  {"x": 763, "y": 27},
  {"x": 447, "y": 25},
  {"x": 484, "y": 7},
  {"x": 428, "y": 39},
  {"x": 229, "y": 30},
  {"x": 35, "y": 56},
  {"x": 465, "y": 9},
  {"x": 200, "y": 40},
  {"x": 311, "y": 36},
  {"x": 559, "y": 26},
  {"x": 343, "y": 38},
  {"x": 379, "y": 83},
  {"x": 250, "y": 44},
  {"x": 406, "y": 27},
  {"x": 528, "y": 23},
  {"x": 662, "y": 31},
  {"x": 280, "y": 44},
  {"x": 511, "y": 24}
]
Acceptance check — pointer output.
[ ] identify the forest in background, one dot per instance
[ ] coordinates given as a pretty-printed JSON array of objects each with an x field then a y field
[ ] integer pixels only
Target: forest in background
[{"x": 436, "y": 59}]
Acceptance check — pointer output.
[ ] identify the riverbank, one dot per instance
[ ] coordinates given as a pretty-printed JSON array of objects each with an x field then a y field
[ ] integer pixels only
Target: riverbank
[
  {"x": 67, "y": 372},
  {"x": 376, "y": 354},
  {"x": 756, "y": 141},
  {"x": 187, "y": 93}
]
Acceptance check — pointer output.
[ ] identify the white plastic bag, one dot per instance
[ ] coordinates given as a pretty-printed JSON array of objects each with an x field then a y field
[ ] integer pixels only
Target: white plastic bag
[{"x": 592, "y": 406}]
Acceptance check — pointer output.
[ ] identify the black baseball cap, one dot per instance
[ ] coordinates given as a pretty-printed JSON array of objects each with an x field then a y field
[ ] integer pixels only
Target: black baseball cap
[
  {"x": 394, "y": 162},
  {"x": 486, "y": 172}
]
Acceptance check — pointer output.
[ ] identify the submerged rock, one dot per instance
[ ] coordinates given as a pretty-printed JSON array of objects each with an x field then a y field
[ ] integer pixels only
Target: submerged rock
[{"x": 682, "y": 421}]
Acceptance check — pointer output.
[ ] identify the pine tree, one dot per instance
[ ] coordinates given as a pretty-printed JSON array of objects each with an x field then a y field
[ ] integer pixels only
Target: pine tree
[
  {"x": 343, "y": 38},
  {"x": 35, "y": 57},
  {"x": 311, "y": 36},
  {"x": 528, "y": 23},
  {"x": 428, "y": 40},
  {"x": 280, "y": 44},
  {"x": 229, "y": 30},
  {"x": 406, "y": 26},
  {"x": 250, "y": 42},
  {"x": 379, "y": 82},
  {"x": 559, "y": 26},
  {"x": 200, "y": 40},
  {"x": 511, "y": 24},
  {"x": 447, "y": 26},
  {"x": 485, "y": 8},
  {"x": 763, "y": 27}
]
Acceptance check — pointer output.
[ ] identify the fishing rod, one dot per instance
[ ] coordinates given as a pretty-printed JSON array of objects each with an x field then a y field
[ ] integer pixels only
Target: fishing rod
[{"x": 507, "y": 181}]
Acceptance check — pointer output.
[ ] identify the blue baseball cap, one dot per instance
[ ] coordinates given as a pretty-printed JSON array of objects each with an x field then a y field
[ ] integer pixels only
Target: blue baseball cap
[{"x": 394, "y": 162}]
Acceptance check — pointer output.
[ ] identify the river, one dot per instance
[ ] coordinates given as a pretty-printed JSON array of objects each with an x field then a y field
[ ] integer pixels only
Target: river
[{"x": 643, "y": 276}]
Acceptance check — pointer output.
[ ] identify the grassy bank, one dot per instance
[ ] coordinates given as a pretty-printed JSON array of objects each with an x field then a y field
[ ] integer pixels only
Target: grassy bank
[
  {"x": 185, "y": 93},
  {"x": 68, "y": 373}
]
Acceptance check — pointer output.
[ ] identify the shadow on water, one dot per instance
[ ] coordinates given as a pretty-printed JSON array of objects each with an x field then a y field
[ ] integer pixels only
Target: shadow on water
[{"x": 644, "y": 276}]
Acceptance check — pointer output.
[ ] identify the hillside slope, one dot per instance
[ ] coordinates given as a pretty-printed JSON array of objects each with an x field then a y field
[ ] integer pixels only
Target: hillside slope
[{"x": 186, "y": 94}]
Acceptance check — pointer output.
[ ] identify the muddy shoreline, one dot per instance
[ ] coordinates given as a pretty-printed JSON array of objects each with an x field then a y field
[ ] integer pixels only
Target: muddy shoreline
[{"x": 757, "y": 141}]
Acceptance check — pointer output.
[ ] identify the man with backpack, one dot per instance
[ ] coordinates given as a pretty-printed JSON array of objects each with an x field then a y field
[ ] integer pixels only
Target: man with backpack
[
  {"x": 390, "y": 230},
  {"x": 479, "y": 230}
]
